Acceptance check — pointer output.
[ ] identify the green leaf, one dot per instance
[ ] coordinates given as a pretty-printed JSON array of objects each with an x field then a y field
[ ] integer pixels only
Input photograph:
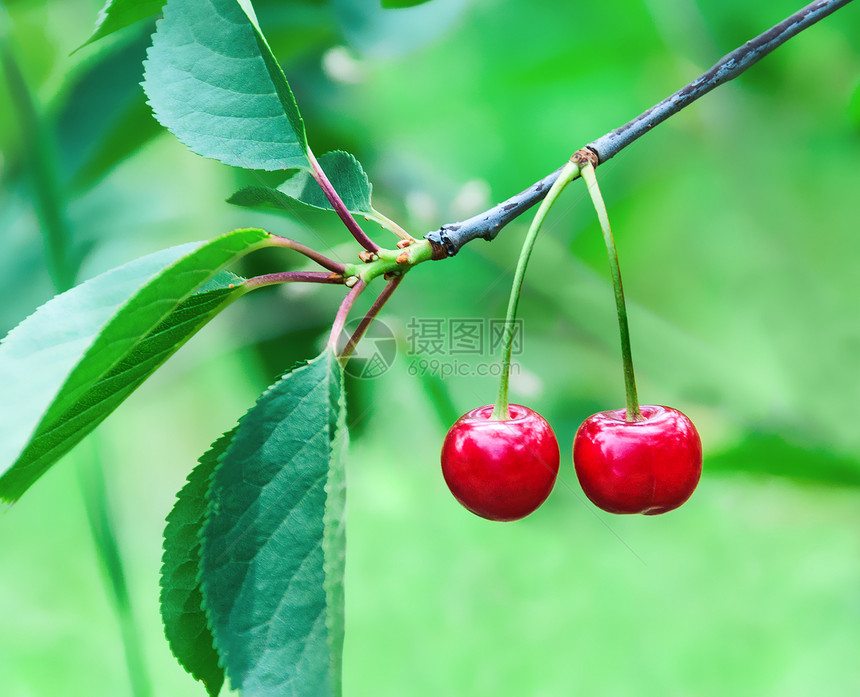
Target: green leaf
[
  {"x": 119, "y": 14},
  {"x": 104, "y": 117},
  {"x": 213, "y": 82},
  {"x": 72, "y": 362},
  {"x": 342, "y": 169},
  {"x": 395, "y": 4},
  {"x": 185, "y": 623},
  {"x": 273, "y": 546}
]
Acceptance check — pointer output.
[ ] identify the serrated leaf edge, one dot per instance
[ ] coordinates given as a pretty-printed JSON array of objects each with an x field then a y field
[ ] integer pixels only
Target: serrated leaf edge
[
  {"x": 334, "y": 624},
  {"x": 276, "y": 74},
  {"x": 152, "y": 279},
  {"x": 171, "y": 520},
  {"x": 209, "y": 505}
]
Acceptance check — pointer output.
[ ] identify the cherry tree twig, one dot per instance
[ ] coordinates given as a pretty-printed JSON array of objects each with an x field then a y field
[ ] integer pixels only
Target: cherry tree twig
[{"x": 448, "y": 239}]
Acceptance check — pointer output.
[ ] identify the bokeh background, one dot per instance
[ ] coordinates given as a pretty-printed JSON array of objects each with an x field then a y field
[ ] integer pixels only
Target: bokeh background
[{"x": 737, "y": 223}]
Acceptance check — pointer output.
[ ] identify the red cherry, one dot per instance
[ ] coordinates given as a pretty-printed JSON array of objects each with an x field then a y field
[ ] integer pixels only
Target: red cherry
[
  {"x": 650, "y": 466},
  {"x": 500, "y": 470}
]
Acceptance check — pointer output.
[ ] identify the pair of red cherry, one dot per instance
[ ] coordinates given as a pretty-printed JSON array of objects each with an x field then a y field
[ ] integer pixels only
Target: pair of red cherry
[
  {"x": 501, "y": 461},
  {"x": 504, "y": 469}
]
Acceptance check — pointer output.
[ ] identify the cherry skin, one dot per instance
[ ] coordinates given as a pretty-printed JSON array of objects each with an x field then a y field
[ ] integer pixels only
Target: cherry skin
[
  {"x": 650, "y": 466},
  {"x": 500, "y": 470}
]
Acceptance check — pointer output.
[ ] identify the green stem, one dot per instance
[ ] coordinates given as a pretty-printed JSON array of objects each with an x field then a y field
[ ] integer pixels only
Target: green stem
[
  {"x": 63, "y": 267},
  {"x": 92, "y": 484},
  {"x": 633, "y": 412},
  {"x": 388, "y": 224},
  {"x": 393, "y": 261},
  {"x": 568, "y": 173},
  {"x": 37, "y": 143}
]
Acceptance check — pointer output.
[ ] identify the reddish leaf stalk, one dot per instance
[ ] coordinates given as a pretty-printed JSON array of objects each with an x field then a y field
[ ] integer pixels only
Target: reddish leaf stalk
[
  {"x": 271, "y": 279},
  {"x": 370, "y": 316},
  {"x": 339, "y": 207},
  {"x": 343, "y": 311},
  {"x": 312, "y": 254}
]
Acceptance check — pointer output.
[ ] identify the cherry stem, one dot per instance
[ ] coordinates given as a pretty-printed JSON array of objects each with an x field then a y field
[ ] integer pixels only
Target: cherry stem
[
  {"x": 343, "y": 311},
  {"x": 366, "y": 321},
  {"x": 339, "y": 206},
  {"x": 633, "y": 412},
  {"x": 271, "y": 279},
  {"x": 312, "y": 254},
  {"x": 569, "y": 172}
]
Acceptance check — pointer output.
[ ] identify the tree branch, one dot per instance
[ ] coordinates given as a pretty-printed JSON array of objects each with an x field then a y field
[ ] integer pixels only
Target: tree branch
[
  {"x": 728, "y": 68},
  {"x": 448, "y": 239}
]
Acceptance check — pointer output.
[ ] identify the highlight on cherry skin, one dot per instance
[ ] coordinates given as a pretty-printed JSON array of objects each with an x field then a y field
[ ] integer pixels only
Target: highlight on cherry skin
[
  {"x": 650, "y": 466},
  {"x": 500, "y": 470}
]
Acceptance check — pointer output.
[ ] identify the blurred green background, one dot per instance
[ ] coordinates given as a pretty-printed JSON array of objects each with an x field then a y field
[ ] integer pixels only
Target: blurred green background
[{"x": 737, "y": 223}]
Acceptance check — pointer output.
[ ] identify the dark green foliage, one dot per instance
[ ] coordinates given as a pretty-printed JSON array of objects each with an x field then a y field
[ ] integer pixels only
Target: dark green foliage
[
  {"x": 185, "y": 623},
  {"x": 272, "y": 567}
]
